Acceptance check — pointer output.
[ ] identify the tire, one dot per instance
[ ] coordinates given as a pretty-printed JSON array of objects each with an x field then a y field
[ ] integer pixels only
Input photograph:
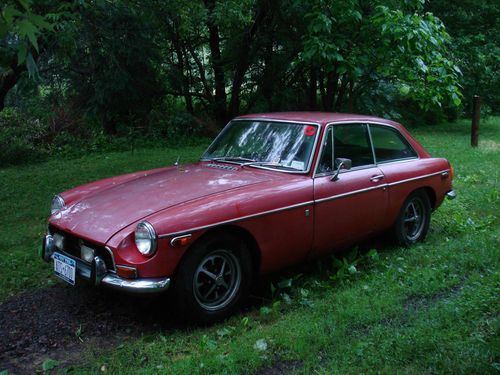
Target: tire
[
  {"x": 213, "y": 278},
  {"x": 414, "y": 218}
]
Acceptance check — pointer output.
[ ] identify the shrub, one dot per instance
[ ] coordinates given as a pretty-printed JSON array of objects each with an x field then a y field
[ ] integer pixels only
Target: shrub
[{"x": 21, "y": 137}]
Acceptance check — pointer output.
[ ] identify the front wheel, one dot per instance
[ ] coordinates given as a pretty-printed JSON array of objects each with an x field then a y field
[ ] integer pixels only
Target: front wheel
[
  {"x": 213, "y": 278},
  {"x": 414, "y": 218}
]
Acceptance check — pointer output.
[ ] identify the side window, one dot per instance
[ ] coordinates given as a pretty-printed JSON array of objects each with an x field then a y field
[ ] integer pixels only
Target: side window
[
  {"x": 353, "y": 142},
  {"x": 325, "y": 161},
  {"x": 390, "y": 145}
]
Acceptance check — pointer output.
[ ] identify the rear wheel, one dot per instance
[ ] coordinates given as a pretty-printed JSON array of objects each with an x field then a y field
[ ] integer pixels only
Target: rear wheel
[
  {"x": 413, "y": 221},
  {"x": 213, "y": 278}
]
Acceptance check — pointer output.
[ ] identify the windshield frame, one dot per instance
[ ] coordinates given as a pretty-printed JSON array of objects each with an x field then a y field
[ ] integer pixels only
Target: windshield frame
[{"x": 263, "y": 119}]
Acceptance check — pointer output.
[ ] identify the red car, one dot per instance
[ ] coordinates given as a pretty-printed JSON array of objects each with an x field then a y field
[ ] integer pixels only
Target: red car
[{"x": 272, "y": 190}]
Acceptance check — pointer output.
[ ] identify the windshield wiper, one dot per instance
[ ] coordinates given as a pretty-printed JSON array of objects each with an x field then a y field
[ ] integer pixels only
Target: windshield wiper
[
  {"x": 268, "y": 164},
  {"x": 233, "y": 159}
]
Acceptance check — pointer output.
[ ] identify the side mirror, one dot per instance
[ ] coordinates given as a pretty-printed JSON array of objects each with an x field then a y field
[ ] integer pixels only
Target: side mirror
[{"x": 341, "y": 164}]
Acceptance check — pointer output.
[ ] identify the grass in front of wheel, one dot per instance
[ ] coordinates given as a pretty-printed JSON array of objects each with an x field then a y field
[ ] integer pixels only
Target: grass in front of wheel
[{"x": 429, "y": 309}]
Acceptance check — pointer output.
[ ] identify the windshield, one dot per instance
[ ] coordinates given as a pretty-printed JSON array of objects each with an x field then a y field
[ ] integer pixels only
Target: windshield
[{"x": 277, "y": 145}]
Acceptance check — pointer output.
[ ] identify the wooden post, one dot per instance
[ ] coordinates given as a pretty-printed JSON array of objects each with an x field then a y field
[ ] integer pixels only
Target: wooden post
[{"x": 476, "y": 115}]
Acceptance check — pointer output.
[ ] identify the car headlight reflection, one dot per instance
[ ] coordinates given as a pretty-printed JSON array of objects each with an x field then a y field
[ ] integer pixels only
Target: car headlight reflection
[
  {"x": 57, "y": 204},
  {"x": 145, "y": 238}
]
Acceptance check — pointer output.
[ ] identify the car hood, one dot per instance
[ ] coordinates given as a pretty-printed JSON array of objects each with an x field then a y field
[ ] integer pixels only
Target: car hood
[{"x": 98, "y": 216}]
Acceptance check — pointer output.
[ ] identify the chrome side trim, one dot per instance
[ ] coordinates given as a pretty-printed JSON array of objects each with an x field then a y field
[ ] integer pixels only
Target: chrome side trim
[
  {"x": 193, "y": 229},
  {"x": 178, "y": 238},
  {"x": 237, "y": 219},
  {"x": 276, "y": 120},
  {"x": 333, "y": 197},
  {"x": 417, "y": 178},
  {"x": 371, "y": 143}
]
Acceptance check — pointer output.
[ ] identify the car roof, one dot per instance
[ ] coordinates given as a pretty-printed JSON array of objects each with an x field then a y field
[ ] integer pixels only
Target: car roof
[{"x": 321, "y": 118}]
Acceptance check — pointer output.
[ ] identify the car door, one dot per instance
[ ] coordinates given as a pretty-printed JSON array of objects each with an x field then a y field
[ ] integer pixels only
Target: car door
[
  {"x": 399, "y": 163},
  {"x": 352, "y": 206}
]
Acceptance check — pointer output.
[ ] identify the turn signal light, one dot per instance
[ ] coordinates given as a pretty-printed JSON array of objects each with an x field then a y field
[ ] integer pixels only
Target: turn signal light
[
  {"x": 181, "y": 241},
  {"x": 126, "y": 272},
  {"x": 452, "y": 173}
]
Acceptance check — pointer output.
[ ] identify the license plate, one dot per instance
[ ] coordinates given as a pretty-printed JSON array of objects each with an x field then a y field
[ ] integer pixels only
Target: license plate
[{"x": 65, "y": 267}]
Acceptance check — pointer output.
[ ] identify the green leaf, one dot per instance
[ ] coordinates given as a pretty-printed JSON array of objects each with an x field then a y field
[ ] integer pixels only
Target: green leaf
[
  {"x": 456, "y": 100},
  {"x": 9, "y": 13},
  {"x": 27, "y": 29},
  {"x": 273, "y": 289},
  {"x": 404, "y": 90},
  {"x": 49, "y": 364},
  {"x": 31, "y": 65},
  {"x": 286, "y": 283},
  {"x": 21, "y": 54},
  {"x": 260, "y": 345},
  {"x": 264, "y": 310},
  {"x": 24, "y": 4},
  {"x": 39, "y": 21}
]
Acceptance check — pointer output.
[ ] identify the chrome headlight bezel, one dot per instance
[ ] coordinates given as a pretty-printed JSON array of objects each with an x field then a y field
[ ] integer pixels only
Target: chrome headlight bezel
[
  {"x": 145, "y": 238},
  {"x": 56, "y": 204}
]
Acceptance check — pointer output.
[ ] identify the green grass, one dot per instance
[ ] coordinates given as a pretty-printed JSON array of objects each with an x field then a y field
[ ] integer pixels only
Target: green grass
[{"x": 433, "y": 308}]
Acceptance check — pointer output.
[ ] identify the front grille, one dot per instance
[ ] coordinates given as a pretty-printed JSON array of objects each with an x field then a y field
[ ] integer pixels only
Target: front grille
[{"x": 72, "y": 246}]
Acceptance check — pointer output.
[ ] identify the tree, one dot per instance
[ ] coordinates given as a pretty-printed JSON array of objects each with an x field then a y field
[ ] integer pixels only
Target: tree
[
  {"x": 20, "y": 30},
  {"x": 475, "y": 45},
  {"x": 351, "y": 46}
]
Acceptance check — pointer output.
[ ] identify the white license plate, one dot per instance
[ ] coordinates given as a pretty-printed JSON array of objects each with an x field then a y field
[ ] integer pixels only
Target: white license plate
[{"x": 65, "y": 268}]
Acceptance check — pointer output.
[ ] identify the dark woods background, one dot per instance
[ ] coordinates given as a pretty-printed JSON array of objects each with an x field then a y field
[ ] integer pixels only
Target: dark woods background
[{"x": 85, "y": 76}]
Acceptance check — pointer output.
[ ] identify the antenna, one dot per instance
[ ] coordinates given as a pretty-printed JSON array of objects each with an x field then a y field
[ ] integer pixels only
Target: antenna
[{"x": 177, "y": 161}]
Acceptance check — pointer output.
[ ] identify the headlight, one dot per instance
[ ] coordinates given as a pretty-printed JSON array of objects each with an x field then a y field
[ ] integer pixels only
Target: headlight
[
  {"x": 57, "y": 204},
  {"x": 145, "y": 238}
]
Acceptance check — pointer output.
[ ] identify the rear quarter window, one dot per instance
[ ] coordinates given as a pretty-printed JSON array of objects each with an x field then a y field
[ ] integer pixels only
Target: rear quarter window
[{"x": 390, "y": 145}]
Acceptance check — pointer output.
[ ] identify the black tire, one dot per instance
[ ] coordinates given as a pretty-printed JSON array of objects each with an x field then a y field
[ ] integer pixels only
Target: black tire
[
  {"x": 213, "y": 278},
  {"x": 414, "y": 218}
]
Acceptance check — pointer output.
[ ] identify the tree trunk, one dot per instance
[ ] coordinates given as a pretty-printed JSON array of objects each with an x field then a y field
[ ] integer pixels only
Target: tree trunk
[
  {"x": 181, "y": 67},
  {"x": 341, "y": 93},
  {"x": 313, "y": 89},
  {"x": 220, "y": 109},
  {"x": 350, "y": 103},
  {"x": 7, "y": 81},
  {"x": 331, "y": 89},
  {"x": 244, "y": 59}
]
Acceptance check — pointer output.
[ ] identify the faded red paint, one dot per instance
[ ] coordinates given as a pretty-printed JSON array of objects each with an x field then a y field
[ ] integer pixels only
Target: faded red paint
[{"x": 198, "y": 197}]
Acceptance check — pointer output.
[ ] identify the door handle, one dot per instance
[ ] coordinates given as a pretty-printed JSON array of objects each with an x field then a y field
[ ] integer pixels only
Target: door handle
[{"x": 377, "y": 178}]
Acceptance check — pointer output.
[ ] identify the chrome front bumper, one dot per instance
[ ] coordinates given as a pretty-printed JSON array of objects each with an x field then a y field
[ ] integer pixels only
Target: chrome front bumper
[{"x": 97, "y": 274}]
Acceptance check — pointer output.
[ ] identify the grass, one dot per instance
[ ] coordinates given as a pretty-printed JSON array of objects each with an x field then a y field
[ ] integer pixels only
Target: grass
[{"x": 433, "y": 308}]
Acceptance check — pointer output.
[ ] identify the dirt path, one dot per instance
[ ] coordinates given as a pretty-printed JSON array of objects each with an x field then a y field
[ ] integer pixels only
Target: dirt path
[{"x": 60, "y": 322}]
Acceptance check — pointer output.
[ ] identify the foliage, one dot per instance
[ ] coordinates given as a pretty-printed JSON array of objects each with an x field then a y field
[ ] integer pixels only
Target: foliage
[
  {"x": 20, "y": 30},
  {"x": 355, "y": 47},
  {"x": 475, "y": 45},
  {"x": 115, "y": 64},
  {"x": 20, "y": 137},
  {"x": 26, "y": 138}
]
